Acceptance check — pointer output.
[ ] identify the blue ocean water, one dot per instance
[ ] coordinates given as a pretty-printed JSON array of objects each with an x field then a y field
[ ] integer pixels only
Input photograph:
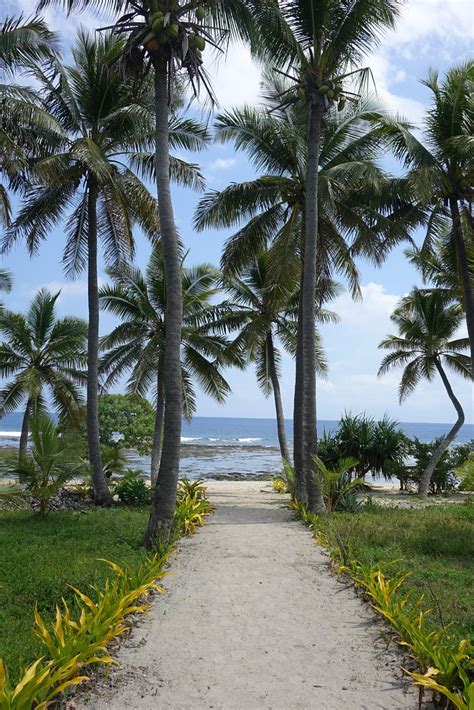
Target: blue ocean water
[{"x": 224, "y": 446}]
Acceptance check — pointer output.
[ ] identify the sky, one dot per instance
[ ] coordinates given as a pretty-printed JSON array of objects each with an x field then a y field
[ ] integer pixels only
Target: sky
[{"x": 430, "y": 33}]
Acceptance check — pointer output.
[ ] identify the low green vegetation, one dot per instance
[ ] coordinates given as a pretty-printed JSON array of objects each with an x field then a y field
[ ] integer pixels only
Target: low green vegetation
[
  {"x": 435, "y": 545},
  {"x": 40, "y": 557}
]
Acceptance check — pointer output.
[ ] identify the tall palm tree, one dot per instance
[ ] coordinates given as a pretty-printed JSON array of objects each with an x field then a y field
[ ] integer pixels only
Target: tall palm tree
[
  {"x": 137, "y": 345},
  {"x": 265, "y": 311},
  {"x": 320, "y": 45},
  {"x": 425, "y": 346},
  {"x": 362, "y": 211},
  {"x": 104, "y": 123},
  {"x": 168, "y": 36},
  {"x": 41, "y": 353},
  {"x": 441, "y": 171}
]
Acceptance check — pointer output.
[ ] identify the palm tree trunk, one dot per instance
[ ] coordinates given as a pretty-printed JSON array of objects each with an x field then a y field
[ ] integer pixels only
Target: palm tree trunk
[
  {"x": 300, "y": 485},
  {"x": 158, "y": 433},
  {"x": 99, "y": 484},
  {"x": 25, "y": 429},
  {"x": 466, "y": 281},
  {"x": 308, "y": 324},
  {"x": 285, "y": 453},
  {"x": 428, "y": 472},
  {"x": 164, "y": 497}
]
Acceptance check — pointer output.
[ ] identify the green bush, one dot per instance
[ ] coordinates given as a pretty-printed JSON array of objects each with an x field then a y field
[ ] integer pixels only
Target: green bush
[
  {"x": 465, "y": 473},
  {"x": 132, "y": 490}
]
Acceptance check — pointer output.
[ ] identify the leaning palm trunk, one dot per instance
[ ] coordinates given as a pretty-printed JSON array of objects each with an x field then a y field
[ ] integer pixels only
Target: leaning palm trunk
[
  {"x": 101, "y": 491},
  {"x": 164, "y": 496},
  {"x": 25, "y": 429},
  {"x": 158, "y": 433},
  {"x": 285, "y": 454},
  {"x": 435, "y": 459},
  {"x": 300, "y": 485},
  {"x": 308, "y": 292},
  {"x": 464, "y": 272}
]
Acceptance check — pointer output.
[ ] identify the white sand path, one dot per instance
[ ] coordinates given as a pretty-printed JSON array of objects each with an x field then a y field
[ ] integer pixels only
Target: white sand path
[{"x": 254, "y": 620}]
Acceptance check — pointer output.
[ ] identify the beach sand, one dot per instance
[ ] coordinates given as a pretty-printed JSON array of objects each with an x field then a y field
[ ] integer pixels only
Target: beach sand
[{"x": 253, "y": 619}]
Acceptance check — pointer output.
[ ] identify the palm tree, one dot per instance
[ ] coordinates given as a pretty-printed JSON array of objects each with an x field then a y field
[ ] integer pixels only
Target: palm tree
[
  {"x": 319, "y": 44},
  {"x": 103, "y": 125},
  {"x": 41, "y": 353},
  {"x": 442, "y": 172},
  {"x": 362, "y": 210},
  {"x": 168, "y": 36},
  {"x": 137, "y": 345},
  {"x": 424, "y": 346},
  {"x": 25, "y": 124},
  {"x": 266, "y": 311}
]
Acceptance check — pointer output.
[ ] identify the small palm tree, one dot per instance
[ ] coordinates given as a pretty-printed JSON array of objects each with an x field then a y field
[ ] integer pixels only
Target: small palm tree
[
  {"x": 42, "y": 354},
  {"x": 52, "y": 462},
  {"x": 137, "y": 345},
  {"x": 441, "y": 172},
  {"x": 265, "y": 311},
  {"x": 425, "y": 346}
]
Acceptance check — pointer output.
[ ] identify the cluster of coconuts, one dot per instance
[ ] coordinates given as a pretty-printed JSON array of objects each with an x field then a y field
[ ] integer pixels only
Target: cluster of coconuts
[
  {"x": 171, "y": 31},
  {"x": 333, "y": 91}
]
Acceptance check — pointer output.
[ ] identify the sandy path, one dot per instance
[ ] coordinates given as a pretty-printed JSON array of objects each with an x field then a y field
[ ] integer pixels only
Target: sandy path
[{"x": 254, "y": 621}]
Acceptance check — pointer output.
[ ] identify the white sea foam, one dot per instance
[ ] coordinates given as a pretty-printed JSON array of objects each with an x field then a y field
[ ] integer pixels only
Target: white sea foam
[
  {"x": 249, "y": 439},
  {"x": 184, "y": 439},
  {"x": 10, "y": 434}
]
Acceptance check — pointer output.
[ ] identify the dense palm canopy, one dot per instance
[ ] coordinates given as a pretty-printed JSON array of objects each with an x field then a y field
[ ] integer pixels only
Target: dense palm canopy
[
  {"x": 136, "y": 347},
  {"x": 44, "y": 356},
  {"x": 441, "y": 172},
  {"x": 425, "y": 346}
]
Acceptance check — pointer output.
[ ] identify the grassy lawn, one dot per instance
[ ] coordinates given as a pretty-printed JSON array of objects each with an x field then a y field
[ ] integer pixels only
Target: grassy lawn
[
  {"x": 38, "y": 558},
  {"x": 435, "y": 544}
]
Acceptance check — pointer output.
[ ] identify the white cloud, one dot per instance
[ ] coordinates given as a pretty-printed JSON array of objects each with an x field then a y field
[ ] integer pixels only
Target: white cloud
[
  {"x": 235, "y": 78},
  {"x": 222, "y": 164},
  {"x": 68, "y": 289}
]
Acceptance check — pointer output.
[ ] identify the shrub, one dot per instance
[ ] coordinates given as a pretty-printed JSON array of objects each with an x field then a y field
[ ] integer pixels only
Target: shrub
[
  {"x": 444, "y": 477},
  {"x": 337, "y": 487},
  {"x": 465, "y": 473},
  {"x": 132, "y": 489}
]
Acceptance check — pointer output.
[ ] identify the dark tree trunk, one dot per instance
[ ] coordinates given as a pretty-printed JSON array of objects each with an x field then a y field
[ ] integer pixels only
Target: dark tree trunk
[
  {"x": 308, "y": 325},
  {"x": 164, "y": 496},
  {"x": 99, "y": 484},
  {"x": 464, "y": 272},
  {"x": 285, "y": 453},
  {"x": 158, "y": 433},
  {"x": 300, "y": 484},
  {"x": 435, "y": 459},
  {"x": 25, "y": 429}
]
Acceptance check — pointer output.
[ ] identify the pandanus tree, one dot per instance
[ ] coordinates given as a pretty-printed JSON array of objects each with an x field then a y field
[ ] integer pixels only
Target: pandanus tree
[
  {"x": 168, "y": 37},
  {"x": 43, "y": 355},
  {"x": 136, "y": 347},
  {"x": 425, "y": 346},
  {"x": 441, "y": 172},
  {"x": 87, "y": 180},
  {"x": 265, "y": 312},
  {"x": 362, "y": 211},
  {"x": 319, "y": 45}
]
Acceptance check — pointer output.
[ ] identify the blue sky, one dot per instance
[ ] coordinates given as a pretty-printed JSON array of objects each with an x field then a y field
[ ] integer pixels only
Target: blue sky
[{"x": 430, "y": 33}]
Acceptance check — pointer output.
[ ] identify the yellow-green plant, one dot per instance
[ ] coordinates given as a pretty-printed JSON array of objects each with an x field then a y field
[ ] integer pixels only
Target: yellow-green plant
[
  {"x": 279, "y": 484},
  {"x": 193, "y": 489},
  {"x": 78, "y": 638},
  {"x": 445, "y": 668}
]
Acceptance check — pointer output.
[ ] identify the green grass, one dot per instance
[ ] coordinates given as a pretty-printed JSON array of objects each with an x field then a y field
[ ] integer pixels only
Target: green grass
[
  {"x": 38, "y": 558},
  {"x": 436, "y": 545}
]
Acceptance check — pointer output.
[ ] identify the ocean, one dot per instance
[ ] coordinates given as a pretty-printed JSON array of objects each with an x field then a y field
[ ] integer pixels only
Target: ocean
[{"x": 219, "y": 447}]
